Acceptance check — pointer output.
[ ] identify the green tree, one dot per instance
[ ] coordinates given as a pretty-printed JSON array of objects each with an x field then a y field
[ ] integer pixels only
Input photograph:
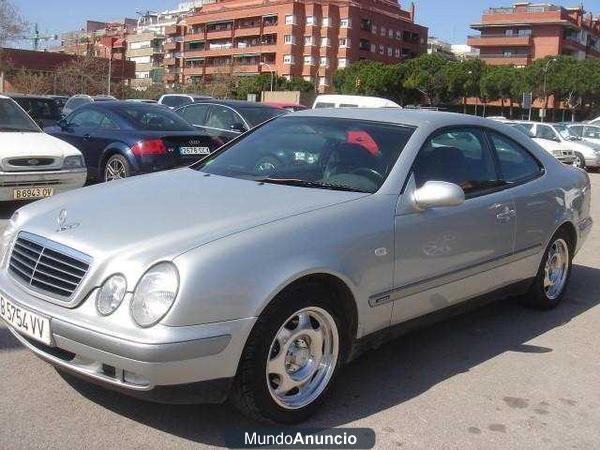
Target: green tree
[
  {"x": 427, "y": 75},
  {"x": 464, "y": 79},
  {"x": 497, "y": 83}
]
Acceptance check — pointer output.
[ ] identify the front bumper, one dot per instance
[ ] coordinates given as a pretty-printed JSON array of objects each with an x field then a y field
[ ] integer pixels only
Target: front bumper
[
  {"x": 593, "y": 162},
  {"x": 197, "y": 361},
  {"x": 59, "y": 180}
]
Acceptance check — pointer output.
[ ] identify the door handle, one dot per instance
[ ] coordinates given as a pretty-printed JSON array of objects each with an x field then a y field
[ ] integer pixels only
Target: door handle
[{"x": 505, "y": 214}]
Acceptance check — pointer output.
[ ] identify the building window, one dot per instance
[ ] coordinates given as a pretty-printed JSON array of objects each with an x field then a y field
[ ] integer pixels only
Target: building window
[
  {"x": 390, "y": 51},
  {"x": 308, "y": 40},
  {"x": 325, "y": 42},
  {"x": 525, "y": 32},
  {"x": 288, "y": 59},
  {"x": 309, "y": 60},
  {"x": 364, "y": 44},
  {"x": 311, "y": 20},
  {"x": 290, "y": 20},
  {"x": 345, "y": 23},
  {"x": 366, "y": 24},
  {"x": 342, "y": 62},
  {"x": 382, "y": 31},
  {"x": 307, "y": 78},
  {"x": 326, "y": 22},
  {"x": 398, "y": 35},
  {"x": 323, "y": 81},
  {"x": 397, "y": 53},
  {"x": 374, "y": 29},
  {"x": 373, "y": 48},
  {"x": 391, "y": 33},
  {"x": 324, "y": 61},
  {"x": 289, "y": 39},
  {"x": 344, "y": 43},
  {"x": 381, "y": 49}
]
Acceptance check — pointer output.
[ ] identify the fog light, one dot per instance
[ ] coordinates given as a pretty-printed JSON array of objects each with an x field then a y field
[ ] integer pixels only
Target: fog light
[{"x": 134, "y": 378}]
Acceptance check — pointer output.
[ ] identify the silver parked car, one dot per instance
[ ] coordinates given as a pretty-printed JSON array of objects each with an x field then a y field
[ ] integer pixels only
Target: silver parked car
[{"x": 258, "y": 272}]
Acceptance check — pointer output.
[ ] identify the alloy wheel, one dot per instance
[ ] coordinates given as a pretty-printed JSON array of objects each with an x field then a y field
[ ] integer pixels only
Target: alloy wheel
[
  {"x": 556, "y": 269},
  {"x": 115, "y": 170},
  {"x": 302, "y": 358}
]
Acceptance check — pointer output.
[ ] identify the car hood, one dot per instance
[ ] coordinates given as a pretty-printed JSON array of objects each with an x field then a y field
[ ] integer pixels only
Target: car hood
[
  {"x": 162, "y": 215},
  {"x": 15, "y": 144}
]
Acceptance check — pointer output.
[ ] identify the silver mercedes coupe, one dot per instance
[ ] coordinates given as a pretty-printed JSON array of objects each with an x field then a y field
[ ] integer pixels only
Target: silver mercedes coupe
[{"x": 255, "y": 274}]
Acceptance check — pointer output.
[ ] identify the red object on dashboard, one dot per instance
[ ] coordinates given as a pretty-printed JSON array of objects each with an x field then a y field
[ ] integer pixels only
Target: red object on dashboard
[{"x": 363, "y": 139}]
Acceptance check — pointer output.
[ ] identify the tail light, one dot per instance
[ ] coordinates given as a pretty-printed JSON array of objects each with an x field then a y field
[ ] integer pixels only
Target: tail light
[{"x": 149, "y": 147}]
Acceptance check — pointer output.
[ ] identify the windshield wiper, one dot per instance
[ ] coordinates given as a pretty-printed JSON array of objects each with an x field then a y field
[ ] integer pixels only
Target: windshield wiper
[{"x": 306, "y": 183}]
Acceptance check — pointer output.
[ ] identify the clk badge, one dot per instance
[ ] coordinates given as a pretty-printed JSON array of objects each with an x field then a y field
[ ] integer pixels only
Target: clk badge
[{"x": 62, "y": 222}]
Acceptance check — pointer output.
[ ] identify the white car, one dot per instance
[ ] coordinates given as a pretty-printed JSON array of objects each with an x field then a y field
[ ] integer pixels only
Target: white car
[
  {"x": 556, "y": 139},
  {"x": 175, "y": 101},
  {"x": 34, "y": 164},
  {"x": 589, "y": 133},
  {"x": 352, "y": 101}
]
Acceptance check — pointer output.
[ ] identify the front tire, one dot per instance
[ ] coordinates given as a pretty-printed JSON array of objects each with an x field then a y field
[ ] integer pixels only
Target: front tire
[
  {"x": 116, "y": 168},
  {"x": 291, "y": 358},
  {"x": 550, "y": 284}
]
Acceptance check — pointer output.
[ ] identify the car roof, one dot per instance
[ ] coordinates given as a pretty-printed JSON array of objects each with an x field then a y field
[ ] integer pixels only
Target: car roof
[
  {"x": 17, "y": 95},
  {"x": 397, "y": 116},
  {"x": 238, "y": 104}
]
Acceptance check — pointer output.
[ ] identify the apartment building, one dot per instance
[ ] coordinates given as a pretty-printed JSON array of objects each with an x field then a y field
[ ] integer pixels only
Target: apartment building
[
  {"x": 524, "y": 32},
  {"x": 436, "y": 46},
  {"x": 292, "y": 38},
  {"x": 98, "y": 39}
]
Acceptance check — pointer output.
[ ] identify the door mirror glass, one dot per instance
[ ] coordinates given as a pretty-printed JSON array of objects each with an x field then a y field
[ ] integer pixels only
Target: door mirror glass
[{"x": 436, "y": 194}]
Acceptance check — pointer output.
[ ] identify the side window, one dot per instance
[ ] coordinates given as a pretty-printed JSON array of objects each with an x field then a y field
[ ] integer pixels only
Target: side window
[
  {"x": 576, "y": 130},
  {"x": 86, "y": 119},
  {"x": 516, "y": 163},
  {"x": 108, "y": 124},
  {"x": 458, "y": 156},
  {"x": 545, "y": 132},
  {"x": 592, "y": 133},
  {"x": 196, "y": 114},
  {"x": 223, "y": 118}
]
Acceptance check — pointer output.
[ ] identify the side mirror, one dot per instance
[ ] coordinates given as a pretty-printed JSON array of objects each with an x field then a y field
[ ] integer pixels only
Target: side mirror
[
  {"x": 436, "y": 194},
  {"x": 238, "y": 127}
]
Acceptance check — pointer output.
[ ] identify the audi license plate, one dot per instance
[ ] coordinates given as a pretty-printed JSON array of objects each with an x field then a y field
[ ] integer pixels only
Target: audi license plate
[
  {"x": 25, "y": 321},
  {"x": 32, "y": 192},
  {"x": 187, "y": 151}
]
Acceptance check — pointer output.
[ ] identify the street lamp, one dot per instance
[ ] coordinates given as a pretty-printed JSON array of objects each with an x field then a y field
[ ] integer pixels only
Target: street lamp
[
  {"x": 546, "y": 69},
  {"x": 270, "y": 69}
]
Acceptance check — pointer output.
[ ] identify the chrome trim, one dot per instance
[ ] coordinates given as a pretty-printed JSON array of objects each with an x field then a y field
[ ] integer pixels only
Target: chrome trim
[
  {"x": 450, "y": 277},
  {"x": 12, "y": 269}
]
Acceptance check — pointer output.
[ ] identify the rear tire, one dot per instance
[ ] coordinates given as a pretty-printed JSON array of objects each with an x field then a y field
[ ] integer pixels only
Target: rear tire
[
  {"x": 551, "y": 281},
  {"x": 291, "y": 357},
  {"x": 116, "y": 167}
]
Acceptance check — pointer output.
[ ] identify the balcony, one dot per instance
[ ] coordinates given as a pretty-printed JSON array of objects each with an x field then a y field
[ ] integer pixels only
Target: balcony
[
  {"x": 499, "y": 40},
  {"x": 247, "y": 31},
  {"x": 246, "y": 68},
  {"x": 196, "y": 70},
  {"x": 169, "y": 61},
  {"x": 171, "y": 45},
  {"x": 515, "y": 59},
  {"x": 170, "y": 77},
  {"x": 194, "y": 37},
  {"x": 209, "y": 70}
]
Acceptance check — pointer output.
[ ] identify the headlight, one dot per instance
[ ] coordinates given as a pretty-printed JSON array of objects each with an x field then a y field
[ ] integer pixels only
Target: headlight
[
  {"x": 154, "y": 294},
  {"x": 7, "y": 235},
  {"x": 111, "y": 294},
  {"x": 73, "y": 162}
]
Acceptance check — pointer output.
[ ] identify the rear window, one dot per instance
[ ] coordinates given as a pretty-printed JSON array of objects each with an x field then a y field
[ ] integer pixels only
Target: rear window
[
  {"x": 176, "y": 101},
  {"x": 324, "y": 105},
  {"x": 12, "y": 118},
  {"x": 256, "y": 116},
  {"x": 154, "y": 118}
]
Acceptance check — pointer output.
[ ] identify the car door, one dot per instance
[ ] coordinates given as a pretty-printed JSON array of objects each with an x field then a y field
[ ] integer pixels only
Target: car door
[
  {"x": 535, "y": 201},
  {"x": 446, "y": 255},
  {"x": 196, "y": 114}
]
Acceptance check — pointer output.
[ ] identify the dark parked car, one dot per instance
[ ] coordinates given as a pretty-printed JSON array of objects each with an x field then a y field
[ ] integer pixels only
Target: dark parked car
[
  {"x": 224, "y": 120},
  {"x": 119, "y": 139},
  {"x": 83, "y": 99},
  {"x": 45, "y": 110}
]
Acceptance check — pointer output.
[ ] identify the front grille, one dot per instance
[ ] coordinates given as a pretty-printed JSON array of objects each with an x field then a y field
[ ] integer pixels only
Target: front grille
[
  {"x": 31, "y": 162},
  {"x": 47, "y": 266}
]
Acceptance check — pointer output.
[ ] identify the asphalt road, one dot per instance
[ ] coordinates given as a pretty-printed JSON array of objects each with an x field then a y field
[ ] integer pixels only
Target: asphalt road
[{"x": 500, "y": 377}]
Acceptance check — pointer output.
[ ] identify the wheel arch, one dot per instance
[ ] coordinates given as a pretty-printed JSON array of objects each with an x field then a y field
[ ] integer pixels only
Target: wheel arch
[{"x": 114, "y": 148}]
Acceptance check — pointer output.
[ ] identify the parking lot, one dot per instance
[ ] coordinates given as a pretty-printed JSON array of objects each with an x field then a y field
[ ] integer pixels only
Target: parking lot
[{"x": 500, "y": 377}]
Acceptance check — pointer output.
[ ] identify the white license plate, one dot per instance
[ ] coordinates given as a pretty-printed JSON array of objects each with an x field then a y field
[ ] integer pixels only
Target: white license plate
[
  {"x": 25, "y": 321},
  {"x": 194, "y": 151},
  {"x": 32, "y": 192}
]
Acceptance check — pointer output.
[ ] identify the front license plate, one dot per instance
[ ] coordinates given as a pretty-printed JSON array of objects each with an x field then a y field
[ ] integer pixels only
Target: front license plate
[
  {"x": 25, "y": 321},
  {"x": 32, "y": 192},
  {"x": 185, "y": 151}
]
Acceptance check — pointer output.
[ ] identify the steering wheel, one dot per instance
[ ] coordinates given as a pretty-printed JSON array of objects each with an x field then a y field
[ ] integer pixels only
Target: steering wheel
[{"x": 372, "y": 174}]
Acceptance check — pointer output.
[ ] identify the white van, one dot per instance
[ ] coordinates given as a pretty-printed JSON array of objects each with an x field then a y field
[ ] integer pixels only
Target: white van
[{"x": 352, "y": 101}]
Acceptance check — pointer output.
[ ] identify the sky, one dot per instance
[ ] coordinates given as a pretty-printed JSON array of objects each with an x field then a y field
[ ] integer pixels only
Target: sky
[{"x": 447, "y": 19}]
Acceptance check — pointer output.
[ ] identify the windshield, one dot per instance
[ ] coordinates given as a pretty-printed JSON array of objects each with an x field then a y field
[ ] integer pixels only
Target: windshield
[
  {"x": 566, "y": 133},
  {"x": 154, "y": 118},
  {"x": 12, "y": 118},
  {"x": 316, "y": 152},
  {"x": 256, "y": 116}
]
